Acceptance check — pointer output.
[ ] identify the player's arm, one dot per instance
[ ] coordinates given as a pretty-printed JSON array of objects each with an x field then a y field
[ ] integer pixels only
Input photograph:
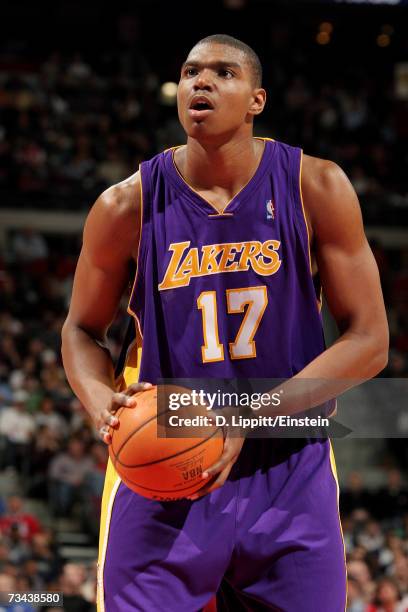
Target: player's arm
[
  {"x": 348, "y": 273},
  {"x": 110, "y": 243},
  {"x": 351, "y": 286}
]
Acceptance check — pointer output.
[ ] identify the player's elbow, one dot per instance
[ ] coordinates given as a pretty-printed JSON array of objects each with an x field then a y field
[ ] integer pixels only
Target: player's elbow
[
  {"x": 66, "y": 333},
  {"x": 69, "y": 334},
  {"x": 67, "y": 328},
  {"x": 379, "y": 350},
  {"x": 75, "y": 336}
]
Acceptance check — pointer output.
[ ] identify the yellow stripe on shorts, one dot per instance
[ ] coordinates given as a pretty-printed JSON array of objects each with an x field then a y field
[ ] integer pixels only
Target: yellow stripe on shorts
[{"x": 112, "y": 480}]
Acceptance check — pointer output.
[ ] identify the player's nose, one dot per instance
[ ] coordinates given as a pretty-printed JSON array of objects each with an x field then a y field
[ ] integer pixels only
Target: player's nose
[{"x": 203, "y": 81}]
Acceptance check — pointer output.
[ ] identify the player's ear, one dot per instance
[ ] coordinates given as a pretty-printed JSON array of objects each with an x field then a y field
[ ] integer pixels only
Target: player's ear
[{"x": 258, "y": 101}]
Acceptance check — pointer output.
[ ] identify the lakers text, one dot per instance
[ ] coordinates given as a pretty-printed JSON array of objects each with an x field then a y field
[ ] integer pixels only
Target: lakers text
[{"x": 189, "y": 262}]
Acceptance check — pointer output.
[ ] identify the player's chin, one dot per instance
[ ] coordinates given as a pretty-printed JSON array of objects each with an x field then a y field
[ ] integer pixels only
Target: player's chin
[
  {"x": 198, "y": 131},
  {"x": 197, "y": 124},
  {"x": 205, "y": 131}
]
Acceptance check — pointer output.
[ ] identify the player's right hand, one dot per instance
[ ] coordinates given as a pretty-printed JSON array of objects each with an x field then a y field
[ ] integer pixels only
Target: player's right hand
[{"x": 106, "y": 420}]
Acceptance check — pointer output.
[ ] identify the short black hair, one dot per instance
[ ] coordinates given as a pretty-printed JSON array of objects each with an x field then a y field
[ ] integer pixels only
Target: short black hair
[{"x": 252, "y": 58}]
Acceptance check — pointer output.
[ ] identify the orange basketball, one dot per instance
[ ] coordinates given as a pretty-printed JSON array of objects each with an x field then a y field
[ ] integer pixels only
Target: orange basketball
[{"x": 161, "y": 468}]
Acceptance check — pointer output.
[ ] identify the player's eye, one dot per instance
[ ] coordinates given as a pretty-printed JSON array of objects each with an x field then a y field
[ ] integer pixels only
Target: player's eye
[
  {"x": 190, "y": 71},
  {"x": 226, "y": 74}
]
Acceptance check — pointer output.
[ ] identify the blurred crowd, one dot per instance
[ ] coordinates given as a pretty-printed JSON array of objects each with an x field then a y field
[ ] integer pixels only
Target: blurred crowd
[
  {"x": 72, "y": 123},
  {"x": 67, "y": 130},
  {"x": 30, "y": 561},
  {"x": 45, "y": 434},
  {"x": 375, "y": 528},
  {"x": 48, "y": 446}
]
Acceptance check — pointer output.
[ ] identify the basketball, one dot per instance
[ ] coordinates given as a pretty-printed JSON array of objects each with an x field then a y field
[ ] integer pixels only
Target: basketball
[{"x": 164, "y": 469}]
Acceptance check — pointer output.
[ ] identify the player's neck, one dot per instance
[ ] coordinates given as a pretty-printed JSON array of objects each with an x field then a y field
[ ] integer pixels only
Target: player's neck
[{"x": 227, "y": 167}]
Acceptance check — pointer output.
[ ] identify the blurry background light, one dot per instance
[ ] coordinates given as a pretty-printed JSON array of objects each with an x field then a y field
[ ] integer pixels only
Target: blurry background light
[
  {"x": 326, "y": 26},
  {"x": 323, "y": 38},
  {"x": 383, "y": 40},
  {"x": 168, "y": 93}
]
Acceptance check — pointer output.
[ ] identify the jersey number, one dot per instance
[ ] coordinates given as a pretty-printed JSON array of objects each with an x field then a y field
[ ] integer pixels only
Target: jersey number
[{"x": 243, "y": 347}]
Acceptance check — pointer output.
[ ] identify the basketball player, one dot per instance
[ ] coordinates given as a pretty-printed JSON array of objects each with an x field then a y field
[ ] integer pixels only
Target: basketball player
[{"x": 232, "y": 236}]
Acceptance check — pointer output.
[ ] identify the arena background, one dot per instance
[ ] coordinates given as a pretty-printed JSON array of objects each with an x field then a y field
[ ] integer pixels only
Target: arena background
[{"x": 86, "y": 93}]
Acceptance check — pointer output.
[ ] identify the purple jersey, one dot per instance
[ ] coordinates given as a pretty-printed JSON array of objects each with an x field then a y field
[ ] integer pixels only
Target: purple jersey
[{"x": 226, "y": 295}]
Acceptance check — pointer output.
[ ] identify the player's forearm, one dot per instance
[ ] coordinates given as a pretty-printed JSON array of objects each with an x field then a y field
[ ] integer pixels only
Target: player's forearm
[
  {"x": 88, "y": 367},
  {"x": 351, "y": 360},
  {"x": 354, "y": 355}
]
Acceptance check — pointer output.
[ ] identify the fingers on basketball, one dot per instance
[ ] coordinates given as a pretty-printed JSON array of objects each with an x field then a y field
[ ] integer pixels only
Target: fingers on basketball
[
  {"x": 218, "y": 472},
  {"x": 215, "y": 481},
  {"x": 137, "y": 388},
  {"x": 159, "y": 468},
  {"x": 126, "y": 398},
  {"x": 119, "y": 400}
]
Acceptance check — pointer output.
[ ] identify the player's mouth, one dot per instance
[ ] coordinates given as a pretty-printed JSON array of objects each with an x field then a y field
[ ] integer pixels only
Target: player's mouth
[{"x": 200, "y": 107}]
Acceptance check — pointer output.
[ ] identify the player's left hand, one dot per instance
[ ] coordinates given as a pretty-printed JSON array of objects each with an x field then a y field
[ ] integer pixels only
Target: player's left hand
[{"x": 218, "y": 473}]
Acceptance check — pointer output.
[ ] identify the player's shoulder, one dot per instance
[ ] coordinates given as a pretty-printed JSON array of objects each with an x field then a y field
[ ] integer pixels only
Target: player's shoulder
[
  {"x": 114, "y": 219},
  {"x": 328, "y": 195},
  {"x": 321, "y": 174},
  {"x": 324, "y": 184},
  {"x": 125, "y": 197},
  {"x": 122, "y": 198}
]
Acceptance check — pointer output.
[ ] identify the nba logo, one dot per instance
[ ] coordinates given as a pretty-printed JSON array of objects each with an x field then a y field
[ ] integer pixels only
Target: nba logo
[{"x": 270, "y": 211}]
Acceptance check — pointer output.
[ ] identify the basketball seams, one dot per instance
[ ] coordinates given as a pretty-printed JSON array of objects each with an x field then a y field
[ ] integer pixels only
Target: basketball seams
[
  {"x": 182, "y": 459},
  {"x": 126, "y": 440},
  {"x": 192, "y": 487},
  {"x": 181, "y": 452}
]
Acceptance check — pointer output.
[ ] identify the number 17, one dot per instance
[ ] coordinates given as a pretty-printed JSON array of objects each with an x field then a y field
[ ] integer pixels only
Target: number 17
[{"x": 243, "y": 347}]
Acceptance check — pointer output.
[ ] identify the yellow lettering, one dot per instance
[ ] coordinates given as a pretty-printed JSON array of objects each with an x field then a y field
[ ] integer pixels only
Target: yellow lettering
[
  {"x": 209, "y": 263},
  {"x": 269, "y": 249},
  {"x": 190, "y": 266},
  {"x": 262, "y": 257},
  {"x": 228, "y": 255},
  {"x": 170, "y": 280},
  {"x": 249, "y": 254}
]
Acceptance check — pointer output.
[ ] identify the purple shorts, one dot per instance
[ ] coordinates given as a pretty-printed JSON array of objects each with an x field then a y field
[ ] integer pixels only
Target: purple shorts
[{"x": 269, "y": 539}]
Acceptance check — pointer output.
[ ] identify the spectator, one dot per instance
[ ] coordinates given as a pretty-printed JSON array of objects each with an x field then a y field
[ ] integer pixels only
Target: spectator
[
  {"x": 23, "y": 584},
  {"x": 48, "y": 560},
  {"x": 29, "y": 246},
  {"x": 15, "y": 517},
  {"x": 371, "y": 538},
  {"x": 393, "y": 546},
  {"x": 354, "y": 496},
  {"x": 45, "y": 446},
  {"x": 71, "y": 583},
  {"x": 9, "y": 355},
  {"x": 17, "y": 427},
  {"x": 387, "y": 598},
  {"x": 48, "y": 417},
  {"x": 359, "y": 571},
  {"x": 67, "y": 473},
  {"x": 399, "y": 571},
  {"x": 93, "y": 489},
  {"x": 30, "y": 570},
  {"x": 355, "y": 599},
  {"x": 19, "y": 549},
  {"x": 392, "y": 500},
  {"x": 8, "y": 584}
]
